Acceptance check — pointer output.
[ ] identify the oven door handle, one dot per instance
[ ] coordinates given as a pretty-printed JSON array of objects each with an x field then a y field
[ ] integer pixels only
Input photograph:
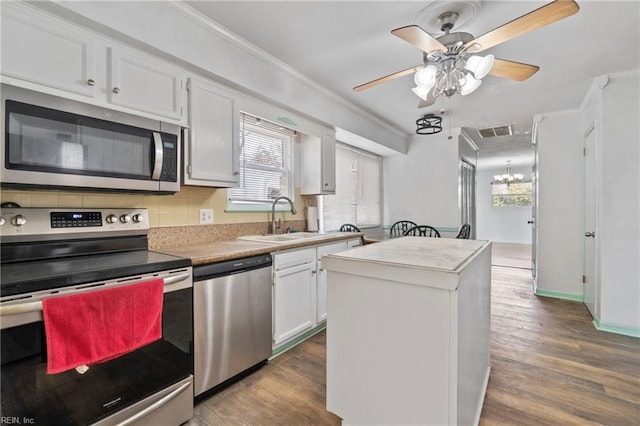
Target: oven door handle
[
  {"x": 156, "y": 405},
  {"x": 24, "y": 308}
]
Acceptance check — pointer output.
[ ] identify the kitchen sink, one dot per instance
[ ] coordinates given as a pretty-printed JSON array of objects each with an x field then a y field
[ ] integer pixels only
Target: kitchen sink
[{"x": 285, "y": 238}]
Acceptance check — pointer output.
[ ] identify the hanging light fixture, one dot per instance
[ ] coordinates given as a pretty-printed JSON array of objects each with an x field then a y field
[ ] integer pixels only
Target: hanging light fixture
[
  {"x": 429, "y": 124},
  {"x": 507, "y": 177}
]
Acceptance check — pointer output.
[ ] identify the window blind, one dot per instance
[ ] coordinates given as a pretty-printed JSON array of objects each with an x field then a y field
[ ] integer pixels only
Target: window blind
[
  {"x": 358, "y": 185},
  {"x": 265, "y": 159}
]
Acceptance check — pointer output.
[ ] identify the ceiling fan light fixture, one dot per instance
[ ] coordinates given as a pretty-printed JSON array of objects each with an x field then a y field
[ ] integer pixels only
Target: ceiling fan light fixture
[
  {"x": 426, "y": 77},
  {"x": 480, "y": 65},
  {"x": 470, "y": 85}
]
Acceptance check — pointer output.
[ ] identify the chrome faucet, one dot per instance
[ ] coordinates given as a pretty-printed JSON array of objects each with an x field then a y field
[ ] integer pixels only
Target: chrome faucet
[{"x": 273, "y": 211}]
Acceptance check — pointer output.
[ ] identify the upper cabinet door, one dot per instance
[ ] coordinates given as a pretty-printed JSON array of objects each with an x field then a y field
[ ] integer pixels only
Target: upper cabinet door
[
  {"x": 328, "y": 146},
  {"x": 145, "y": 84},
  {"x": 318, "y": 161},
  {"x": 46, "y": 52},
  {"x": 212, "y": 149}
]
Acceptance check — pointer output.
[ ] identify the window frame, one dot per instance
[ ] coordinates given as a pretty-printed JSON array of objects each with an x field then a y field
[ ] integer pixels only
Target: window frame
[
  {"x": 238, "y": 204},
  {"x": 529, "y": 194},
  {"x": 358, "y": 188}
]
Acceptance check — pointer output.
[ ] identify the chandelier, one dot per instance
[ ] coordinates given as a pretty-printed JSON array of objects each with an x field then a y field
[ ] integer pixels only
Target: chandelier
[
  {"x": 507, "y": 177},
  {"x": 451, "y": 72}
]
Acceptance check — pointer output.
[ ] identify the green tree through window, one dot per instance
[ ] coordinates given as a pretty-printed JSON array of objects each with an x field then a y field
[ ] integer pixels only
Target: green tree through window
[{"x": 511, "y": 195}]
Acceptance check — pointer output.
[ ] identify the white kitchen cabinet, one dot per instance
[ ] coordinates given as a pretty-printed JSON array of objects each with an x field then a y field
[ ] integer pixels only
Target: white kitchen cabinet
[
  {"x": 46, "y": 52},
  {"x": 294, "y": 299},
  {"x": 42, "y": 53},
  {"x": 212, "y": 146},
  {"x": 318, "y": 158},
  {"x": 321, "y": 277},
  {"x": 145, "y": 84}
]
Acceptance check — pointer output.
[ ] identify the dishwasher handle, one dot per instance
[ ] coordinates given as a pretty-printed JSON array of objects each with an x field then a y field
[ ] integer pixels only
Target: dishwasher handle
[{"x": 230, "y": 267}]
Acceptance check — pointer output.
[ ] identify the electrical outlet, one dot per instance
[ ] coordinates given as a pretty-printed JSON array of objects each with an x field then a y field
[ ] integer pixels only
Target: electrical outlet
[{"x": 206, "y": 216}]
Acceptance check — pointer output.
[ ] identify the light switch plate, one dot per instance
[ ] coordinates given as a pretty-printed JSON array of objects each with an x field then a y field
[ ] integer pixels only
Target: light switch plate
[{"x": 206, "y": 216}]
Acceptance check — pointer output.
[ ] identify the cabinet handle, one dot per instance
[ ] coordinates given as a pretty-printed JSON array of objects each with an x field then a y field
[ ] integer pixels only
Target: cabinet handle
[
  {"x": 116, "y": 90},
  {"x": 590, "y": 234},
  {"x": 236, "y": 173},
  {"x": 91, "y": 82}
]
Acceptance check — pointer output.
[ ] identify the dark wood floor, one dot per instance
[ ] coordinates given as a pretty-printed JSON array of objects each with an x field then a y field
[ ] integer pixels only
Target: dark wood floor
[{"x": 549, "y": 365}]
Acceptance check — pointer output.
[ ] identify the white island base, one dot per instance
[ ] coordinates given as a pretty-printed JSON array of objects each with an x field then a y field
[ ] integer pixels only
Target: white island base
[{"x": 408, "y": 331}]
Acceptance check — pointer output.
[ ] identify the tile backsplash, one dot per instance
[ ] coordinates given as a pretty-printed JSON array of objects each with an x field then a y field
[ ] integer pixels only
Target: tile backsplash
[{"x": 180, "y": 209}]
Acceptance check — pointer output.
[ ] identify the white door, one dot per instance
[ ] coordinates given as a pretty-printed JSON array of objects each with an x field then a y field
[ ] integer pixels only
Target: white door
[
  {"x": 145, "y": 84},
  {"x": 589, "y": 241},
  {"x": 41, "y": 51}
]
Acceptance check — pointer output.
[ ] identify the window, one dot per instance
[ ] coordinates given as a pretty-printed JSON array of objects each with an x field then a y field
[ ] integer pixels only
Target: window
[
  {"x": 265, "y": 164},
  {"x": 357, "y": 197},
  {"x": 511, "y": 195}
]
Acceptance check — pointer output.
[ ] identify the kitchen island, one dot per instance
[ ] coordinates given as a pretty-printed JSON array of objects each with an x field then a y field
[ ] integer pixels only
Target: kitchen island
[{"x": 408, "y": 331}]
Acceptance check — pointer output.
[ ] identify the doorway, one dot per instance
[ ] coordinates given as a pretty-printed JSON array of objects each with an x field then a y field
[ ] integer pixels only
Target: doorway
[{"x": 468, "y": 195}]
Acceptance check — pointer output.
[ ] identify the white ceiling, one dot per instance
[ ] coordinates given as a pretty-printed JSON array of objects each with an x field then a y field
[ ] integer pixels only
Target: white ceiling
[{"x": 341, "y": 44}]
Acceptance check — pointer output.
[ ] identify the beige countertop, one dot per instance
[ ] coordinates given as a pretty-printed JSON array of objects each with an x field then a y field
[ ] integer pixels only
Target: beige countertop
[
  {"x": 218, "y": 251},
  {"x": 434, "y": 262}
]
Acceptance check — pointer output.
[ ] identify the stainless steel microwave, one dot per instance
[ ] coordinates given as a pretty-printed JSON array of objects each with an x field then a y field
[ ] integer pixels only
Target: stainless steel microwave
[{"x": 57, "y": 143}]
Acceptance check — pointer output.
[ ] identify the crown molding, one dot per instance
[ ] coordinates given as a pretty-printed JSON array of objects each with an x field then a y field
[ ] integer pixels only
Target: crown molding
[{"x": 237, "y": 41}]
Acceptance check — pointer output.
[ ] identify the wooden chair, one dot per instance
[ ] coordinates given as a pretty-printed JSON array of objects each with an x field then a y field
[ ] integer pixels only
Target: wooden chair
[
  {"x": 347, "y": 227},
  {"x": 423, "y": 231},
  {"x": 400, "y": 227},
  {"x": 465, "y": 231}
]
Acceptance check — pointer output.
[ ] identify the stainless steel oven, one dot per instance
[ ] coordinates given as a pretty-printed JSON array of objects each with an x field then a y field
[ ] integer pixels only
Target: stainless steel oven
[
  {"x": 54, "y": 142},
  {"x": 53, "y": 252}
]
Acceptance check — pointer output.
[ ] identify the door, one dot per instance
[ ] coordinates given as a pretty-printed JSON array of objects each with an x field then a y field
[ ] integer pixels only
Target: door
[
  {"x": 145, "y": 84},
  {"x": 468, "y": 196},
  {"x": 58, "y": 56},
  {"x": 213, "y": 147},
  {"x": 589, "y": 240},
  {"x": 293, "y": 302}
]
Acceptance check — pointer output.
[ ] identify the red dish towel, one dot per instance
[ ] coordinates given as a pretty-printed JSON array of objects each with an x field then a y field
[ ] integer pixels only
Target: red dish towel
[{"x": 100, "y": 325}]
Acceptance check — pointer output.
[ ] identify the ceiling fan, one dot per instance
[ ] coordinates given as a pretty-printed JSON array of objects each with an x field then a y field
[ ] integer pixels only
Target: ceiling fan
[{"x": 450, "y": 65}]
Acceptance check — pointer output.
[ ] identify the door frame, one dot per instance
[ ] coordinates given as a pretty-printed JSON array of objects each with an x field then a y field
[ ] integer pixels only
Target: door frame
[{"x": 590, "y": 249}]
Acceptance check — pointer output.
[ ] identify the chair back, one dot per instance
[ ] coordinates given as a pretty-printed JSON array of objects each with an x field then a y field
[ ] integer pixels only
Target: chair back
[
  {"x": 347, "y": 227},
  {"x": 423, "y": 231},
  {"x": 465, "y": 230},
  {"x": 400, "y": 227}
]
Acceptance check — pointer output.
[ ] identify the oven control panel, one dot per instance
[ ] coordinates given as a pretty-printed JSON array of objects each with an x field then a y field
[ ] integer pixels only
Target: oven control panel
[{"x": 70, "y": 223}]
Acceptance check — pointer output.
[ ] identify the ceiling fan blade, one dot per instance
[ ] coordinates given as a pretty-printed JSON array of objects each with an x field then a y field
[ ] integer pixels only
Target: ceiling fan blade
[
  {"x": 419, "y": 38},
  {"x": 427, "y": 102},
  {"x": 388, "y": 77},
  {"x": 540, "y": 17},
  {"x": 513, "y": 70}
]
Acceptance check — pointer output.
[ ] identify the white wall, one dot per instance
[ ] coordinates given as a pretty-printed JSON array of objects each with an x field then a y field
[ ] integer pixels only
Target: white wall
[
  {"x": 613, "y": 107},
  {"x": 500, "y": 224},
  {"x": 618, "y": 225},
  {"x": 422, "y": 185},
  {"x": 559, "y": 219}
]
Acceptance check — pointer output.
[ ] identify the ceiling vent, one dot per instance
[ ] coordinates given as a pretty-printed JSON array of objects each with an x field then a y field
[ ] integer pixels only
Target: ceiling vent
[{"x": 490, "y": 132}]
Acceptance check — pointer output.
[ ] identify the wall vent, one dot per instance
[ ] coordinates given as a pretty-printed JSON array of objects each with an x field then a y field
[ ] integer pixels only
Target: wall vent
[{"x": 490, "y": 132}]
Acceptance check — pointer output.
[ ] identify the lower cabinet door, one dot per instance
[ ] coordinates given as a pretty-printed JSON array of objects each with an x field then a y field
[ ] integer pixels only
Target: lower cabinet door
[{"x": 293, "y": 302}]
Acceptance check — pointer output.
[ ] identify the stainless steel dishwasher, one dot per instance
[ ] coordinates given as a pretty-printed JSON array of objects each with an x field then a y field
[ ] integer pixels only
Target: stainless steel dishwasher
[{"x": 232, "y": 314}]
